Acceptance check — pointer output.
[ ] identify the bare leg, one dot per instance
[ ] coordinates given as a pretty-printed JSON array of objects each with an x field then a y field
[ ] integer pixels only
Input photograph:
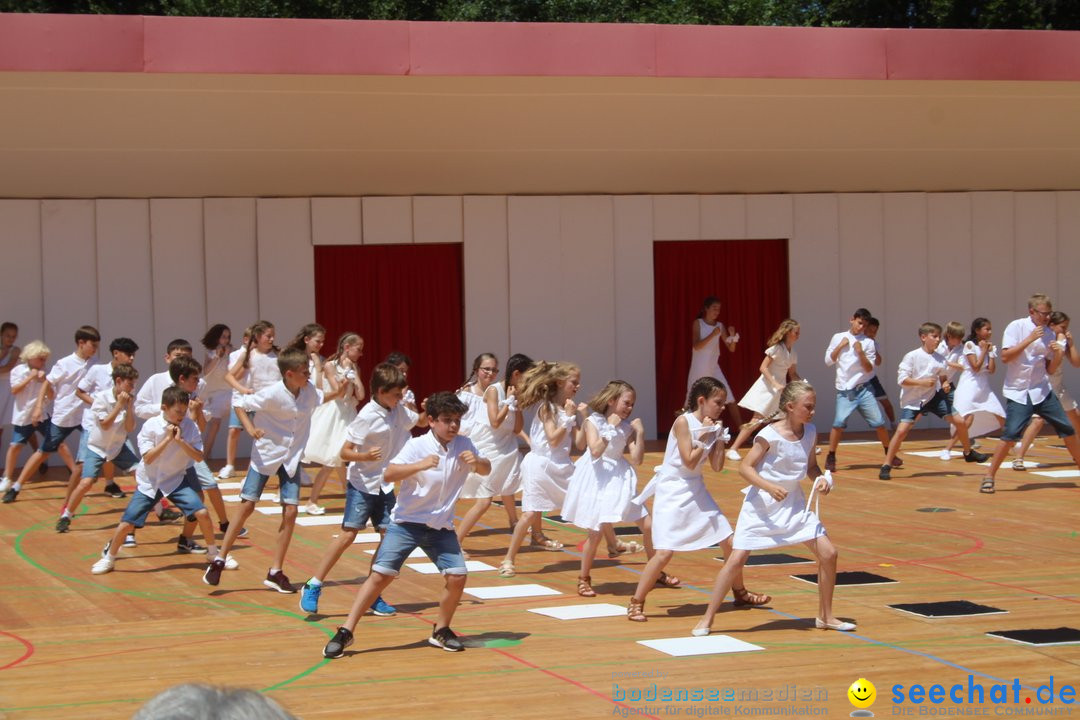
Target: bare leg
[
  {"x": 246, "y": 508},
  {"x": 31, "y": 467},
  {"x": 285, "y": 533},
  {"x": 232, "y": 442},
  {"x": 834, "y": 439},
  {"x": 471, "y": 517},
  {"x": 455, "y": 585},
  {"x": 510, "y": 506},
  {"x": 967, "y": 424},
  {"x": 516, "y": 539},
  {"x": 746, "y": 431},
  {"x": 651, "y": 573},
  {"x": 725, "y": 579},
  {"x": 1033, "y": 430},
  {"x": 898, "y": 437},
  {"x": 1072, "y": 444},
  {"x": 886, "y": 405},
  {"x": 210, "y": 435},
  {"x": 588, "y": 553},
  {"x": 203, "y": 518},
  {"x": 826, "y": 554},
  {"x": 961, "y": 432},
  {"x": 334, "y": 551},
  {"x": 11, "y": 459},
  {"x": 77, "y": 494},
  {"x": 736, "y": 415},
  {"x": 645, "y": 524},
  {"x": 372, "y": 588},
  {"x": 317, "y": 484},
  {"x": 117, "y": 539},
  {"x": 218, "y": 503}
]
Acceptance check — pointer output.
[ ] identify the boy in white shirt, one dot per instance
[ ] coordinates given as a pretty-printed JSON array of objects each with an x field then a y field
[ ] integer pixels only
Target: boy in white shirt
[
  {"x": 169, "y": 443},
  {"x": 63, "y": 379},
  {"x": 854, "y": 355},
  {"x": 377, "y": 434},
  {"x": 873, "y": 325},
  {"x": 431, "y": 469},
  {"x": 280, "y": 429},
  {"x": 27, "y": 379},
  {"x": 924, "y": 382},
  {"x": 112, "y": 417}
]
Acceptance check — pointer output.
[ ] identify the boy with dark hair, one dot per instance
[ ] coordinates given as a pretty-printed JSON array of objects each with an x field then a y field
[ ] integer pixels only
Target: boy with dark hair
[
  {"x": 871, "y": 331},
  {"x": 431, "y": 469}
]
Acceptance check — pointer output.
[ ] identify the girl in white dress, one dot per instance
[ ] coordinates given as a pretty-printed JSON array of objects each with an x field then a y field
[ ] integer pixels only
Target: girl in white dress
[
  {"x": 775, "y": 512},
  {"x": 685, "y": 516},
  {"x": 707, "y": 333},
  {"x": 1063, "y": 346},
  {"x": 974, "y": 399},
  {"x": 495, "y": 436},
  {"x": 254, "y": 367},
  {"x": 777, "y": 369},
  {"x": 344, "y": 391},
  {"x": 218, "y": 344},
  {"x": 604, "y": 483},
  {"x": 546, "y": 470}
]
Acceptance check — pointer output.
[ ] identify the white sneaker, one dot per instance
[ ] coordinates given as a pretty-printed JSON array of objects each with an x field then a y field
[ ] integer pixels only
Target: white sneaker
[
  {"x": 103, "y": 565},
  {"x": 946, "y": 455},
  {"x": 313, "y": 509},
  {"x": 5, "y": 483},
  {"x": 129, "y": 541},
  {"x": 732, "y": 455},
  {"x": 226, "y": 472}
]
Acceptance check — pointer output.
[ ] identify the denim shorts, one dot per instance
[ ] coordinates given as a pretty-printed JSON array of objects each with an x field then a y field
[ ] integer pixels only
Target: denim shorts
[
  {"x": 939, "y": 405},
  {"x": 184, "y": 497},
  {"x": 440, "y": 545},
  {"x": 860, "y": 398},
  {"x": 92, "y": 462},
  {"x": 21, "y": 433},
  {"x": 204, "y": 479},
  {"x": 234, "y": 421},
  {"x": 361, "y": 507},
  {"x": 877, "y": 389},
  {"x": 1018, "y": 415},
  {"x": 55, "y": 435},
  {"x": 288, "y": 491}
]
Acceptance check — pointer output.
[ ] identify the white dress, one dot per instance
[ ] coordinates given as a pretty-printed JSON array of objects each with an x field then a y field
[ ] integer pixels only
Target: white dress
[
  {"x": 1057, "y": 383},
  {"x": 602, "y": 489},
  {"x": 974, "y": 395},
  {"x": 706, "y": 362},
  {"x": 330, "y": 421},
  {"x": 546, "y": 470},
  {"x": 499, "y": 445},
  {"x": 685, "y": 516},
  {"x": 767, "y": 523},
  {"x": 761, "y": 398}
]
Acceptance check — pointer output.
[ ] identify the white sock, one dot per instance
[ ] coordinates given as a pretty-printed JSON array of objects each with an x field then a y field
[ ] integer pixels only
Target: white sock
[
  {"x": 274, "y": 570},
  {"x": 315, "y": 582},
  {"x": 17, "y": 486},
  {"x": 66, "y": 513}
]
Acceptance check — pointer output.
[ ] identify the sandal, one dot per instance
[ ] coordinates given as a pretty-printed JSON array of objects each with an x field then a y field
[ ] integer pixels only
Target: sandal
[
  {"x": 987, "y": 486},
  {"x": 506, "y": 569},
  {"x": 668, "y": 581},
  {"x": 542, "y": 541},
  {"x": 635, "y": 611},
  {"x": 1018, "y": 465},
  {"x": 624, "y": 549},
  {"x": 584, "y": 587},
  {"x": 744, "y": 597}
]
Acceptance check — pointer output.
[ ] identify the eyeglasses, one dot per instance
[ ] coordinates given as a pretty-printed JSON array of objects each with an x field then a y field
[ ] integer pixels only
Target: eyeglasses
[{"x": 1041, "y": 313}]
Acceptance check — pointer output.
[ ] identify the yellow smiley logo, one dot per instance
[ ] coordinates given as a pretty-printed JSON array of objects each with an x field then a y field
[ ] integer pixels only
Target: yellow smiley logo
[{"x": 862, "y": 693}]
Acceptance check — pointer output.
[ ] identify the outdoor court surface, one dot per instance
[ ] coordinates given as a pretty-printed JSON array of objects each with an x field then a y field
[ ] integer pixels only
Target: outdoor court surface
[{"x": 75, "y": 645}]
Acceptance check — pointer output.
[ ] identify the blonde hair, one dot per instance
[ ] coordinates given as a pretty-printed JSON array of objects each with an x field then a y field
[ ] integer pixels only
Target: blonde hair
[
  {"x": 781, "y": 332},
  {"x": 541, "y": 382},
  {"x": 1039, "y": 299},
  {"x": 610, "y": 392},
  {"x": 954, "y": 329},
  {"x": 34, "y": 349}
]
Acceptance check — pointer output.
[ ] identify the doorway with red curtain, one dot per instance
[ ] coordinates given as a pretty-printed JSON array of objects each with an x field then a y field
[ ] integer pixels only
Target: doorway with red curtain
[
  {"x": 751, "y": 279},
  {"x": 397, "y": 297}
]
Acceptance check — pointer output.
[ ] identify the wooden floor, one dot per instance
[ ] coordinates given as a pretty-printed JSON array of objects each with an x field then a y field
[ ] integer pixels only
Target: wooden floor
[{"x": 75, "y": 645}]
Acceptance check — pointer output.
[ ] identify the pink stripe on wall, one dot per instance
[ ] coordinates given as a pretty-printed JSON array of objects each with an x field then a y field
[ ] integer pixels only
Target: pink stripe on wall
[{"x": 99, "y": 43}]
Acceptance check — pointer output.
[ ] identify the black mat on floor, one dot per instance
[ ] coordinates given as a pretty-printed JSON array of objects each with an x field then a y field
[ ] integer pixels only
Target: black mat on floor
[
  {"x": 947, "y": 608},
  {"x": 517, "y": 503},
  {"x": 773, "y": 559},
  {"x": 856, "y": 577},
  {"x": 1046, "y": 636},
  {"x": 628, "y": 530},
  {"x": 935, "y": 510},
  {"x": 556, "y": 518}
]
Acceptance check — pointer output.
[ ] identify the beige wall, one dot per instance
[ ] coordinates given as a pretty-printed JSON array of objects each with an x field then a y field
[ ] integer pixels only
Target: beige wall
[{"x": 556, "y": 277}]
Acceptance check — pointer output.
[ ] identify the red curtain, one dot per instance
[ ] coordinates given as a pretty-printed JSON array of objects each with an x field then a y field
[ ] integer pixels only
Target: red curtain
[
  {"x": 751, "y": 279},
  {"x": 397, "y": 297}
]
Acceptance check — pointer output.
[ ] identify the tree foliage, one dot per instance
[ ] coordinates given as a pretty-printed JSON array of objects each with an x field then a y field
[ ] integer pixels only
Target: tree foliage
[{"x": 1022, "y": 14}]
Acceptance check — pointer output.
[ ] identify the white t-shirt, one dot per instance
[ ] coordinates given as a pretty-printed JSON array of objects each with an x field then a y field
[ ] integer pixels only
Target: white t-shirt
[
  {"x": 428, "y": 497},
  {"x": 97, "y": 378},
  {"x": 24, "y": 400},
  {"x": 65, "y": 377},
  {"x": 285, "y": 420},
  {"x": 919, "y": 365},
  {"x": 849, "y": 371},
  {"x": 378, "y": 427},
  {"x": 105, "y": 442},
  {"x": 1026, "y": 375},
  {"x": 953, "y": 356},
  {"x": 148, "y": 400},
  {"x": 167, "y": 471}
]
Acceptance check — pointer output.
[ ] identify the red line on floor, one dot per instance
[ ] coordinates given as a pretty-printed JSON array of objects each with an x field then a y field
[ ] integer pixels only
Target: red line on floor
[{"x": 26, "y": 643}]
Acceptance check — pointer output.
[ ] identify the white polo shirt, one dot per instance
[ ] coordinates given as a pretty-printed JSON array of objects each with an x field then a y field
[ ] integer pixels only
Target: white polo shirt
[
  {"x": 23, "y": 403},
  {"x": 65, "y": 377},
  {"x": 849, "y": 371},
  {"x": 919, "y": 365},
  {"x": 167, "y": 471},
  {"x": 378, "y": 427},
  {"x": 148, "y": 399},
  {"x": 1026, "y": 375},
  {"x": 97, "y": 378},
  {"x": 428, "y": 497},
  {"x": 106, "y": 442},
  {"x": 285, "y": 420}
]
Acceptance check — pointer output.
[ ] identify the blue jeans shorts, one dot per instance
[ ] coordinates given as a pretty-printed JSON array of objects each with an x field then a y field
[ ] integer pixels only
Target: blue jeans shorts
[
  {"x": 234, "y": 421},
  {"x": 440, "y": 545},
  {"x": 92, "y": 462},
  {"x": 184, "y": 497},
  {"x": 939, "y": 405},
  {"x": 288, "y": 491},
  {"x": 204, "y": 479},
  {"x": 54, "y": 435},
  {"x": 1018, "y": 415},
  {"x": 877, "y": 389},
  {"x": 21, "y": 433},
  {"x": 361, "y": 507},
  {"x": 861, "y": 398}
]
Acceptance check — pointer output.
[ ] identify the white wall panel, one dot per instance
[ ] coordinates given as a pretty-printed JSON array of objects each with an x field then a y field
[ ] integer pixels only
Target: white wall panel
[
  {"x": 588, "y": 288},
  {"x": 1068, "y": 264},
  {"x": 948, "y": 227},
  {"x": 232, "y": 270},
  {"x": 387, "y": 220},
  {"x": 487, "y": 278},
  {"x": 336, "y": 221},
  {"x": 125, "y": 279},
  {"x": 723, "y": 217},
  {"x": 179, "y": 270},
  {"x": 1036, "y": 243},
  {"x": 635, "y": 328},
  {"x": 769, "y": 217},
  {"x": 862, "y": 252},
  {"x": 21, "y": 290},
  {"x": 69, "y": 271},
  {"x": 906, "y": 293},
  {"x": 535, "y": 285},
  {"x": 676, "y": 217},
  {"x": 286, "y": 264},
  {"x": 436, "y": 219},
  {"x": 993, "y": 289}
]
